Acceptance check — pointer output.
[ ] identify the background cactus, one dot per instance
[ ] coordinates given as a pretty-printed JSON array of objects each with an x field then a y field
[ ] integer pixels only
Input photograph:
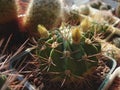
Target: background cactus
[
  {"x": 96, "y": 4},
  {"x": 8, "y": 18},
  {"x": 8, "y": 11},
  {"x": 100, "y": 5},
  {"x": 66, "y": 55},
  {"x": 44, "y": 12}
]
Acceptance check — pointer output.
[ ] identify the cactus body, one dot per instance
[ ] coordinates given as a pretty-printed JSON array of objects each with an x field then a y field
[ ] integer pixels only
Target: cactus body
[
  {"x": 8, "y": 18},
  {"x": 61, "y": 58},
  {"x": 44, "y": 12},
  {"x": 8, "y": 11}
]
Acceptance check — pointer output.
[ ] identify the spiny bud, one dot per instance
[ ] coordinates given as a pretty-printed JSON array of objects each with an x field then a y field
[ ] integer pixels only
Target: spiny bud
[
  {"x": 85, "y": 24},
  {"x": 63, "y": 25},
  {"x": 76, "y": 35},
  {"x": 43, "y": 31}
]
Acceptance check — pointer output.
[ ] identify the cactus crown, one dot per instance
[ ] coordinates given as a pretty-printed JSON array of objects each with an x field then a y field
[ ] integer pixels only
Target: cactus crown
[{"x": 67, "y": 53}]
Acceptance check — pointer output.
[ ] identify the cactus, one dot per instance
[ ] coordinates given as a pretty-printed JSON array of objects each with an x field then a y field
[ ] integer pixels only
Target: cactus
[
  {"x": 66, "y": 55},
  {"x": 8, "y": 18},
  {"x": 8, "y": 11},
  {"x": 44, "y": 12}
]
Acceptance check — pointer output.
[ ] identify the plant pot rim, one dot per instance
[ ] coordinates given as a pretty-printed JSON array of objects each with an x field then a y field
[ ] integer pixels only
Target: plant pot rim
[
  {"x": 111, "y": 78},
  {"x": 108, "y": 77}
]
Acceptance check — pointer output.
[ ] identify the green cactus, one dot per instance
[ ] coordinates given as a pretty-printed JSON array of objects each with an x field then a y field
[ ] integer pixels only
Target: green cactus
[
  {"x": 44, "y": 12},
  {"x": 66, "y": 54},
  {"x": 8, "y": 11}
]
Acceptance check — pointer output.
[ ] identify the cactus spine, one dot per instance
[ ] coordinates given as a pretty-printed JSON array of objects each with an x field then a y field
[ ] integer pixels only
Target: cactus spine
[
  {"x": 44, "y": 12},
  {"x": 65, "y": 55}
]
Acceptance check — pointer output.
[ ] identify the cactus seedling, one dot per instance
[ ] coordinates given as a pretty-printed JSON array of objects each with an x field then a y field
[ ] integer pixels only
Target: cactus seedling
[
  {"x": 44, "y": 12},
  {"x": 66, "y": 56}
]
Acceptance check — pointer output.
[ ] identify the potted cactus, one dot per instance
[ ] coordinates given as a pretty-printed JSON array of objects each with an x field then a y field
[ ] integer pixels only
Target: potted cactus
[
  {"x": 70, "y": 59},
  {"x": 67, "y": 56}
]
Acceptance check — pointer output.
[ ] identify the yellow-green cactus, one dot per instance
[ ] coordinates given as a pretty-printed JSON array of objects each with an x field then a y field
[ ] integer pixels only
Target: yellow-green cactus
[
  {"x": 64, "y": 55},
  {"x": 44, "y": 12}
]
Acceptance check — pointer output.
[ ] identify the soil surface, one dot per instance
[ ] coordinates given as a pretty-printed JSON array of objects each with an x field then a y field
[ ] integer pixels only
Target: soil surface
[{"x": 116, "y": 84}]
